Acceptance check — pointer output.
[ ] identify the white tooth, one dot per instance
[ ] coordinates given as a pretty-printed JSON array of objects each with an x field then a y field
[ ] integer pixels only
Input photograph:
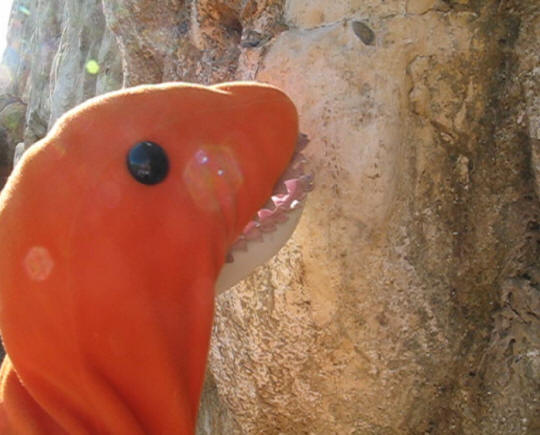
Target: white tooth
[{"x": 294, "y": 204}]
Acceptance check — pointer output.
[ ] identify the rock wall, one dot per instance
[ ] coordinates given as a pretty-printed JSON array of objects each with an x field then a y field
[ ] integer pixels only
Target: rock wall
[{"x": 408, "y": 299}]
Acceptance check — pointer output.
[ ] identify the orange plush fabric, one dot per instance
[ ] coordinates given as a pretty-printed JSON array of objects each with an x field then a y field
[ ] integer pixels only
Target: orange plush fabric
[{"x": 107, "y": 284}]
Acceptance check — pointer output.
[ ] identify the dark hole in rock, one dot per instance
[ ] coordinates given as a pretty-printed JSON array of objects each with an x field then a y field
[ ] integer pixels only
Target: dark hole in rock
[
  {"x": 363, "y": 31},
  {"x": 229, "y": 21},
  {"x": 252, "y": 39},
  {"x": 234, "y": 26}
]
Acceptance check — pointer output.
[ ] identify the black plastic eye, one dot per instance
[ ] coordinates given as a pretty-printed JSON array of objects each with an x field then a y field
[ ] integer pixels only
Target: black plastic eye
[{"x": 148, "y": 162}]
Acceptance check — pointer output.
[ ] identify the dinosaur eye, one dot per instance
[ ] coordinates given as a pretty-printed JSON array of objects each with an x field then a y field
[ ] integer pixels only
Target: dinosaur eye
[{"x": 147, "y": 162}]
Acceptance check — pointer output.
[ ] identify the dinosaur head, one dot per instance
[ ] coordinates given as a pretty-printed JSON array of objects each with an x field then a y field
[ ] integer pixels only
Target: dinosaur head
[{"x": 114, "y": 228}]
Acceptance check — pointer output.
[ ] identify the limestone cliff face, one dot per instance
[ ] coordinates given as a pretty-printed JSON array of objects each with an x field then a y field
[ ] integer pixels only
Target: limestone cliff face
[{"x": 408, "y": 299}]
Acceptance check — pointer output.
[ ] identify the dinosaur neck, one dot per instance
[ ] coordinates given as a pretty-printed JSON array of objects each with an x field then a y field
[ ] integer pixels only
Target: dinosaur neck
[
  {"x": 105, "y": 343},
  {"x": 142, "y": 378}
]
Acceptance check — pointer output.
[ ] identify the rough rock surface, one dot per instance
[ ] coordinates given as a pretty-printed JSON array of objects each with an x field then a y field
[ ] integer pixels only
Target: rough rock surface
[
  {"x": 12, "y": 115},
  {"x": 408, "y": 299}
]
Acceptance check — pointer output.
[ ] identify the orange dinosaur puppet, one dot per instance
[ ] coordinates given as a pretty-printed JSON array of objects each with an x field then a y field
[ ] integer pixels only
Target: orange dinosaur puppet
[{"x": 113, "y": 231}]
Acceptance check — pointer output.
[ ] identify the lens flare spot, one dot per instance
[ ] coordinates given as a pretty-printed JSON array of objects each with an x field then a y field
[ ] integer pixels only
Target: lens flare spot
[
  {"x": 201, "y": 157},
  {"x": 38, "y": 263},
  {"x": 24, "y": 10},
  {"x": 212, "y": 177},
  {"x": 92, "y": 67}
]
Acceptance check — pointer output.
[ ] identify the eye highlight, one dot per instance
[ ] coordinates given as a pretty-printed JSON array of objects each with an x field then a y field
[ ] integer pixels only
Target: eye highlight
[{"x": 147, "y": 162}]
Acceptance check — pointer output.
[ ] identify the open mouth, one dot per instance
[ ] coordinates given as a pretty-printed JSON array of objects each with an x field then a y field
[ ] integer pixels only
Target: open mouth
[
  {"x": 274, "y": 223},
  {"x": 288, "y": 195}
]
